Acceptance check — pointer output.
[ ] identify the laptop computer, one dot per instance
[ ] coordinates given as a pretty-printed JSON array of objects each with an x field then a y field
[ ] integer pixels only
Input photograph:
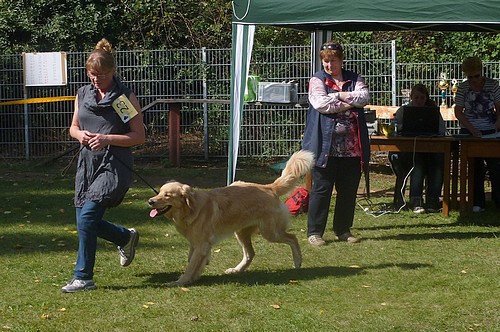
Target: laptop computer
[{"x": 420, "y": 121}]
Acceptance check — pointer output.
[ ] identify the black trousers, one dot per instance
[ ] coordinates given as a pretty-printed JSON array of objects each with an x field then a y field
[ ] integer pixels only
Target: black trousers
[
  {"x": 343, "y": 174},
  {"x": 481, "y": 165}
]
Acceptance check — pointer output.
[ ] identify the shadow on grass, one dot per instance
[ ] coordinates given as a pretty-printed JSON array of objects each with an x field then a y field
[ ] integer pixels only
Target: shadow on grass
[
  {"x": 488, "y": 218},
  {"x": 392, "y": 226},
  {"x": 485, "y": 220},
  {"x": 266, "y": 277},
  {"x": 438, "y": 236},
  {"x": 24, "y": 243}
]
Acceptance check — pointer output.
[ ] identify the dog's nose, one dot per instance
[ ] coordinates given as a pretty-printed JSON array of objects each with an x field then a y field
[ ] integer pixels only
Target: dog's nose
[{"x": 151, "y": 201}]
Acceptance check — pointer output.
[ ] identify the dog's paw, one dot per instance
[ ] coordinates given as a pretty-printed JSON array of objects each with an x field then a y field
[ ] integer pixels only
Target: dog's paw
[
  {"x": 232, "y": 270},
  {"x": 176, "y": 283}
]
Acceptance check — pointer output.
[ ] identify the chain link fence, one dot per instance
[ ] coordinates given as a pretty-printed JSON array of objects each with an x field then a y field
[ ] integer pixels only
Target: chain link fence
[{"x": 40, "y": 130}]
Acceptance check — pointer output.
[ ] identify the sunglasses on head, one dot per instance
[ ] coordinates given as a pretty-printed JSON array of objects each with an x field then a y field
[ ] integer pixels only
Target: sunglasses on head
[{"x": 333, "y": 47}]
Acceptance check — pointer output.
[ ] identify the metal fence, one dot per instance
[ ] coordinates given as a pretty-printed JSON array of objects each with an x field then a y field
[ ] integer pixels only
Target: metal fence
[{"x": 41, "y": 130}]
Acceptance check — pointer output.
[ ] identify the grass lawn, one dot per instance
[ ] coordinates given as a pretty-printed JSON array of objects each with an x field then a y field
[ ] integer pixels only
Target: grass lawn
[{"x": 410, "y": 272}]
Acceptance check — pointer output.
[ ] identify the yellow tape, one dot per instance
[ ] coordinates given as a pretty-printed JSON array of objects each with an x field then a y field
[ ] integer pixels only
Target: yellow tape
[{"x": 37, "y": 100}]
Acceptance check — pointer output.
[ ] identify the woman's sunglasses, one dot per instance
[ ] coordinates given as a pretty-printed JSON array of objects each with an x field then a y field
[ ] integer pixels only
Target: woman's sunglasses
[{"x": 333, "y": 47}]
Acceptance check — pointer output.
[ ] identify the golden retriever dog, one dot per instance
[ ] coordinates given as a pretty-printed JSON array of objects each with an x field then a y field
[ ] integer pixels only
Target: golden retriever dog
[{"x": 205, "y": 217}]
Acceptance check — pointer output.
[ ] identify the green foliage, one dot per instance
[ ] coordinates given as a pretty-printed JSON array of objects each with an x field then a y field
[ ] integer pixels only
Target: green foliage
[
  {"x": 161, "y": 24},
  {"x": 48, "y": 25},
  {"x": 432, "y": 46},
  {"x": 275, "y": 36},
  {"x": 76, "y": 25}
]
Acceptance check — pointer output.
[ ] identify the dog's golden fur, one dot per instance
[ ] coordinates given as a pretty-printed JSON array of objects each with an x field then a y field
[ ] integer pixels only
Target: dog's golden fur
[{"x": 205, "y": 217}]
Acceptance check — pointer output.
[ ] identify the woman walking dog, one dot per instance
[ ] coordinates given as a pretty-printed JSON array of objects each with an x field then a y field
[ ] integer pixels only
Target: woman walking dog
[{"x": 107, "y": 122}]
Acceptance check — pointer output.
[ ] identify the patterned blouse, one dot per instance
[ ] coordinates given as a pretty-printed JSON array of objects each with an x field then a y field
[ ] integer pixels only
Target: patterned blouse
[
  {"x": 345, "y": 140},
  {"x": 479, "y": 107}
]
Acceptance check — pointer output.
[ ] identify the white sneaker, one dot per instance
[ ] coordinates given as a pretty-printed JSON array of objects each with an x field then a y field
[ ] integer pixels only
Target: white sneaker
[
  {"x": 477, "y": 209},
  {"x": 76, "y": 285},
  {"x": 347, "y": 237},
  {"x": 127, "y": 252},
  {"x": 316, "y": 240},
  {"x": 418, "y": 210}
]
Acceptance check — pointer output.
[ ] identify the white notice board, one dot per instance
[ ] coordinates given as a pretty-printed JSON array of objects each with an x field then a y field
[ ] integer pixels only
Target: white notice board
[{"x": 45, "y": 69}]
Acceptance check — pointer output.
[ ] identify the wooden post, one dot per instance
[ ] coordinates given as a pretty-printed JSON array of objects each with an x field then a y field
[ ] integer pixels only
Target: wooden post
[{"x": 174, "y": 124}]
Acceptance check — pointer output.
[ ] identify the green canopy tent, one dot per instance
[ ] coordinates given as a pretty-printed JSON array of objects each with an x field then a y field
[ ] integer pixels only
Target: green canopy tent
[{"x": 320, "y": 16}]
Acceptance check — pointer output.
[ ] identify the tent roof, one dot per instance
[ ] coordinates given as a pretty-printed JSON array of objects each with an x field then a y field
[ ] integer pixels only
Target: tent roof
[{"x": 370, "y": 15}]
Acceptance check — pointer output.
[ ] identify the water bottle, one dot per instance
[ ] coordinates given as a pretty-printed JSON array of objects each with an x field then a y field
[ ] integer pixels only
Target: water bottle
[
  {"x": 251, "y": 88},
  {"x": 394, "y": 126}
]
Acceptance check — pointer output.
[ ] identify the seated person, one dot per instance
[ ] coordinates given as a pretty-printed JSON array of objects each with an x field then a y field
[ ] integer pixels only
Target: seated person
[
  {"x": 422, "y": 165},
  {"x": 478, "y": 111}
]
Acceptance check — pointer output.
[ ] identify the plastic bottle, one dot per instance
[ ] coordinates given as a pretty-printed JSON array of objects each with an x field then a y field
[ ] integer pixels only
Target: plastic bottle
[
  {"x": 394, "y": 126},
  {"x": 251, "y": 88}
]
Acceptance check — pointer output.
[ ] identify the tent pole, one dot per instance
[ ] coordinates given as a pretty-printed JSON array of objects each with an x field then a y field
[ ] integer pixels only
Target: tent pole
[{"x": 241, "y": 51}]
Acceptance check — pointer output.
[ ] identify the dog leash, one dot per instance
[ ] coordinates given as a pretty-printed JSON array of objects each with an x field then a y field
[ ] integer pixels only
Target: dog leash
[
  {"x": 133, "y": 171},
  {"x": 65, "y": 170}
]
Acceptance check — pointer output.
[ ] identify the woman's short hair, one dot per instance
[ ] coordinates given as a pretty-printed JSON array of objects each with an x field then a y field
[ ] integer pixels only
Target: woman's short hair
[
  {"x": 472, "y": 64},
  {"x": 330, "y": 50}
]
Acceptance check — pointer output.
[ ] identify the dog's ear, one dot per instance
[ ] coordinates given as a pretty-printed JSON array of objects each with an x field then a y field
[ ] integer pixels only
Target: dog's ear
[{"x": 188, "y": 195}]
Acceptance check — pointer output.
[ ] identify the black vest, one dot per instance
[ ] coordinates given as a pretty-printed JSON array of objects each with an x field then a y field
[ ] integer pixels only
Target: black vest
[{"x": 319, "y": 127}]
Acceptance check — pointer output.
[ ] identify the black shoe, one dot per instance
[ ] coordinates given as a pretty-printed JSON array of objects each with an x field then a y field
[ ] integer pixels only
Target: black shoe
[{"x": 433, "y": 207}]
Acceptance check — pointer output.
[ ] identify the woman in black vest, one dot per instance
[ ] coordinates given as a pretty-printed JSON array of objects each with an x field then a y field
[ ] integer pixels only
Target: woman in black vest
[{"x": 336, "y": 132}]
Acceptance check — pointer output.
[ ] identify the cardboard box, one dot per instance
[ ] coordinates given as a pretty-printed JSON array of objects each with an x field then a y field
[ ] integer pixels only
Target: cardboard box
[{"x": 280, "y": 93}]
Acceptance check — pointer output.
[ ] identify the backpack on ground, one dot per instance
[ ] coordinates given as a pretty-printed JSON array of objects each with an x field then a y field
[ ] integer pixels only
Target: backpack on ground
[{"x": 298, "y": 202}]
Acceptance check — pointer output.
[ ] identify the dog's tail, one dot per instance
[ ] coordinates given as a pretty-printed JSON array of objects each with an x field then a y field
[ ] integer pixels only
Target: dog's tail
[{"x": 299, "y": 164}]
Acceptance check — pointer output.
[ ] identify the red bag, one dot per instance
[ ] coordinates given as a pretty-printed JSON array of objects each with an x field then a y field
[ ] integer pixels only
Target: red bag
[{"x": 298, "y": 202}]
